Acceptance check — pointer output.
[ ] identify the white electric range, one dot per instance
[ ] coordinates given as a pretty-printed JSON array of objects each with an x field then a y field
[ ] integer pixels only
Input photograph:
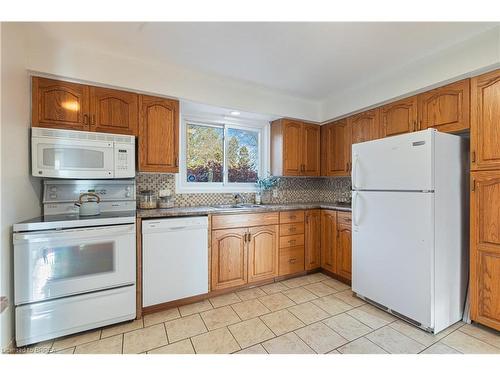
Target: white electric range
[{"x": 74, "y": 273}]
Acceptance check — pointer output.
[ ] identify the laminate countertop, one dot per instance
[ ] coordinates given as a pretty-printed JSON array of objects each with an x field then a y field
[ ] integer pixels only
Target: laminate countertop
[{"x": 225, "y": 209}]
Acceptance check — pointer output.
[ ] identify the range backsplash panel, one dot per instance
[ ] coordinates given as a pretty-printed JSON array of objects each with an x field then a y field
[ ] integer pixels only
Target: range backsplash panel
[{"x": 288, "y": 190}]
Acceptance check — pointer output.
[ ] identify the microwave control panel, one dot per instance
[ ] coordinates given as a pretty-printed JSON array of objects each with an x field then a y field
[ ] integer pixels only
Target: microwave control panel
[{"x": 124, "y": 160}]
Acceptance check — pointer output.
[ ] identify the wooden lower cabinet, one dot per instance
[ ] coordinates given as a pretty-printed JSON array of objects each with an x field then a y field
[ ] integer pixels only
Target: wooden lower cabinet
[
  {"x": 343, "y": 248},
  {"x": 229, "y": 258},
  {"x": 263, "y": 253},
  {"x": 485, "y": 248},
  {"x": 312, "y": 239},
  {"x": 328, "y": 239},
  {"x": 291, "y": 260}
]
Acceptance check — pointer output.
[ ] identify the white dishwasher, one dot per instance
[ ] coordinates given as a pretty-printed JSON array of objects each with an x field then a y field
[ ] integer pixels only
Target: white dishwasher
[{"x": 174, "y": 259}]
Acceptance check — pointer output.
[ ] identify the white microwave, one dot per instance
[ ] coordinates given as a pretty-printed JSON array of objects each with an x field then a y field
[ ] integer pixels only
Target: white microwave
[{"x": 79, "y": 154}]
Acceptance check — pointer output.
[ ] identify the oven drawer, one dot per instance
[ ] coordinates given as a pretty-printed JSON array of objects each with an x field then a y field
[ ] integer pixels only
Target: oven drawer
[
  {"x": 46, "y": 320},
  {"x": 59, "y": 263}
]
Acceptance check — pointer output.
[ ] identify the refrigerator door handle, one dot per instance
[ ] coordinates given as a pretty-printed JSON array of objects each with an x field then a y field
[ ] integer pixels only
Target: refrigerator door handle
[
  {"x": 354, "y": 208},
  {"x": 354, "y": 170}
]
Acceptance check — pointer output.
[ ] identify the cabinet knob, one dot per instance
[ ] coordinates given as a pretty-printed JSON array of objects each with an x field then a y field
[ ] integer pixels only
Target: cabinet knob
[{"x": 292, "y": 260}]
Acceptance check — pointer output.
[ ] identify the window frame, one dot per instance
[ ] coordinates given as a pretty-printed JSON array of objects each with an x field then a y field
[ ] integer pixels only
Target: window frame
[{"x": 261, "y": 127}]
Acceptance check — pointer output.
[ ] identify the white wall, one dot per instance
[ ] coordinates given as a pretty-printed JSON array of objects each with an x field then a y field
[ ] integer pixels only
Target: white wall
[
  {"x": 84, "y": 63},
  {"x": 19, "y": 192},
  {"x": 464, "y": 59}
]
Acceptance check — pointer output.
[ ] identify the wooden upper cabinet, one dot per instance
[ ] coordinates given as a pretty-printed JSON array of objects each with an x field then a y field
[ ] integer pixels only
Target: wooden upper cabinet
[
  {"x": 445, "y": 108},
  {"x": 344, "y": 245},
  {"x": 485, "y": 121},
  {"x": 113, "y": 111},
  {"x": 292, "y": 148},
  {"x": 295, "y": 148},
  {"x": 328, "y": 239},
  {"x": 311, "y": 150},
  {"x": 312, "y": 239},
  {"x": 364, "y": 126},
  {"x": 485, "y": 248},
  {"x": 158, "y": 134},
  {"x": 263, "y": 250},
  {"x": 335, "y": 149},
  {"x": 399, "y": 117},
  {"x": 59, "y": 104},
  {"x": 229, "y": 258}
]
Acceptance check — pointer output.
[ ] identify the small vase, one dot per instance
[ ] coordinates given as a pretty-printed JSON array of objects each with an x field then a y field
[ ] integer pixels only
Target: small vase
[{"x": 258, "y": 198}]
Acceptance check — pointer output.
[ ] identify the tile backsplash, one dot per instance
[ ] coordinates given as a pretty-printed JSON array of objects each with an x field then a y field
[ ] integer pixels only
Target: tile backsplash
[{"x": 288, "y": 190}]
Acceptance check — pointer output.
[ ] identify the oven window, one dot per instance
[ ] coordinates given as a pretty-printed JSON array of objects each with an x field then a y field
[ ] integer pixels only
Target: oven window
[
  {"x": 64, "y": 262},
  {"x": 68, "y": 158}
]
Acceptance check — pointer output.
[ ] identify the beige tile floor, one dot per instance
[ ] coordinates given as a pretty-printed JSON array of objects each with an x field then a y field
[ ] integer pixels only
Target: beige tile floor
[{"x": 308, "y": 314}]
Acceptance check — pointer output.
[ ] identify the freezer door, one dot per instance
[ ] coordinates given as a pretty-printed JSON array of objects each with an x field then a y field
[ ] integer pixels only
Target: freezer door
[
  {"x": 392, "y": 251},
  {"x": 402, "y": 162}
]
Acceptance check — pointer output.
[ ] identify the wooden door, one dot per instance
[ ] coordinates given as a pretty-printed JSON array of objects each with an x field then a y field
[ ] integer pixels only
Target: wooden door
[
  {"x": 158, "y": 135},
  {"x": 229, "y": 258},
  {"x": 113, "y": 111},
  {"x": 313, "y": 239},
  {"x": 485, "y": 248},
  {"x": 60, "y": 105},
  {"x": 263, "y": 249},
  {"x": 292, "y": 148},
  {"x": 336, "y": 149},
  {"x": 399, "y": 117},
  {"x": 311, "y": 150},
  {"x": 365, "y": 126},
  {"x": 328, "y": 239},
  {"x": 445, "y": 108},
  {"x": 485, "y": 121},
  {"x": 344, "y": 247}
]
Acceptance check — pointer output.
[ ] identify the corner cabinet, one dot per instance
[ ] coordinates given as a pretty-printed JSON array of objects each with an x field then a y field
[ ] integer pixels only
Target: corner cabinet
[
  {"x": 399, "y": 117},
  {"x": 328, "y": 239},
  {"x": 60, "y": 105},
  {"x": 343, "y": 248},
  {"x": 336, "y": 149},
  {"x": 295, "y": 148},
  {"x": 485, "y": 248},
  {"x": 158, "y": 134},
  {"x": 365, "y": 126},
  {"x": 485, "y": 121},
  {"x": 312, "y": 239},
  {"x": 445, "y": 108}
]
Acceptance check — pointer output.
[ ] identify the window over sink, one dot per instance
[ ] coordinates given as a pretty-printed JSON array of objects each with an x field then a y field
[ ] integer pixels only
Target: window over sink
[{"x": 221, "y": 156}]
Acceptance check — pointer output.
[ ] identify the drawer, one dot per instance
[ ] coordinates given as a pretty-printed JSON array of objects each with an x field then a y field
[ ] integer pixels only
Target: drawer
[
  {"x": 344, "y": 217},
  {"x": 291, "y": 217},
  {"x": 294, "y": 240},
  {"x": 291, "y": 260},
  {"x": 244, "y": 220},
  {"x": 293, "y": 228}
]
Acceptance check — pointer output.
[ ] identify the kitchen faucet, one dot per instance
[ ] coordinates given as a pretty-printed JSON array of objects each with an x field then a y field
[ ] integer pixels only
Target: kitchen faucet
[{"x": 239, "y": 197}]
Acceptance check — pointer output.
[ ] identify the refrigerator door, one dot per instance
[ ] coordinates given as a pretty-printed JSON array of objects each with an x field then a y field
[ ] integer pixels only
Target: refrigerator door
[
  {"x": 402, "y": 162},
  {"x": 392, "y": 251}
]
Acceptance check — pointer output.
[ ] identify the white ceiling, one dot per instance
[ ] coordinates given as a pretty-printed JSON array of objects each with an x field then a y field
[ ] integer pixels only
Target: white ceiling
[{"x": 307, "y": 60}]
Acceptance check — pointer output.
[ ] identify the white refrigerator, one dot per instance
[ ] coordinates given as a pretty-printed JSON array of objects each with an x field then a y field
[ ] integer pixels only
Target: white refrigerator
[{"x": 410, "y": 228}]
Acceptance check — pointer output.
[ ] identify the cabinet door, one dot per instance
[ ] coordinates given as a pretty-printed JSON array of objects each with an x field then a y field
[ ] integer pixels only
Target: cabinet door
[
  {"x": 336, "y": 149},
  {"x": 485, "y": 248},
  {"x": 158, "y": 135},
  {"x": 60, "y": 105},
  {"x": 445, "y": 108},
  {"x": 343, "y": 250},
  {"x": 263, "y": 253},
  {"x": 399, "y": 117},
  {"x": 485, "y": 121},
  {"x": 292, "y": 148},
  {"x": 229, "y": 258},
  {"x": 328, "y": 239},
  {"x": 113, "y": 111},
  {"x": 313, "y": 239},
  {"x": 311, "y": 150},
  {"x": 365, "y": 126}
]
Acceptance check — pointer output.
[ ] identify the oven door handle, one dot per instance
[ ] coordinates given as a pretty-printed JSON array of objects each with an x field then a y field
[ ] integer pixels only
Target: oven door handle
[{"x": 52, "y": 235}]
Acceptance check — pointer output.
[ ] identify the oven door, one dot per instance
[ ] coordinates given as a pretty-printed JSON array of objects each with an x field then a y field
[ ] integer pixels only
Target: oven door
[
  {"x": 72, "y": 158},
  {"x": 53, "y": 264}
]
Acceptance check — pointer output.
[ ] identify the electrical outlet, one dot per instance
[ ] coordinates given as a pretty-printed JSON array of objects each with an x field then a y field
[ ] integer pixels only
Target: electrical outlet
[{"x": 275, "y": 193}]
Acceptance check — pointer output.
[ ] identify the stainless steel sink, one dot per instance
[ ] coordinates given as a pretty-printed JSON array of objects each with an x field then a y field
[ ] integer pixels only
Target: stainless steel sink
[{"x": 236, "y": 206}]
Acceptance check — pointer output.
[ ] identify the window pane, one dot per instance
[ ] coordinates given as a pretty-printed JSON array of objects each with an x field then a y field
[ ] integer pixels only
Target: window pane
[
  {"x": 242, "y": 155},
  {"x": 205, "y": 153}
]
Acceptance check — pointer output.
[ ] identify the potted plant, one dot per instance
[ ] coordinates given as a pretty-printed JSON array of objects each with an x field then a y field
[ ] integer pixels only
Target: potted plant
[{"x": 265, "y": 184}]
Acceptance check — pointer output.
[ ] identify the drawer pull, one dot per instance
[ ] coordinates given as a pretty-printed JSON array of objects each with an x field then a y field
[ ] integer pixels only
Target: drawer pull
[
  {"x": 292, "y": 242},
  {"x": 292, "y": 229},
  {"x": 293, "y": 217},
  {"x": 292, "y": 260}
]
